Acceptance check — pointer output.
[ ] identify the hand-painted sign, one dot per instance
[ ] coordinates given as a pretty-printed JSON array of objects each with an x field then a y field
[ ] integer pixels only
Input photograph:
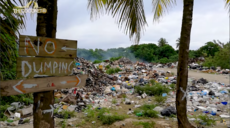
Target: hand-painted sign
[
  {"x": 30, "y": 67},
  {"x": 43, "y": 46},
  {"x": 15, "y": 87}
]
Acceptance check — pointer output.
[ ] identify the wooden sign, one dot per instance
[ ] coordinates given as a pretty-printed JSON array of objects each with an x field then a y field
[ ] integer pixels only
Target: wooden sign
[
  {"x": 15, "y": 87},
  {"x": 30, "y": 67},
  {"x": 43, "y": 46}
]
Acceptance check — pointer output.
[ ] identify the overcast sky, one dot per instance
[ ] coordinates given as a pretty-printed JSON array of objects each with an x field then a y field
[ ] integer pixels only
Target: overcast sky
[{"x": 210, "y": 21}]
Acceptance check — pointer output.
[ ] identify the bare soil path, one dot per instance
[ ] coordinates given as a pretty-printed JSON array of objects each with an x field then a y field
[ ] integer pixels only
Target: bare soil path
[{"x": 197, "y": 75}]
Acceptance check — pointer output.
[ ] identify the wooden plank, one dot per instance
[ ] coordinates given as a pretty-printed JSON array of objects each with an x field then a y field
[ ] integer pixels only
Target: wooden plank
[
  {"x": 43, "y": 46},
  {"x": 30, "y": 67},
  {"x": 15, "y": 87}
]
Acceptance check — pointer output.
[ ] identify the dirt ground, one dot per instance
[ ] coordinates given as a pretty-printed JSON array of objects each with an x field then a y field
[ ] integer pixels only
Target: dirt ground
[
  {"x": 197, "y": 74},
  {"x": 160, "y": 123}
]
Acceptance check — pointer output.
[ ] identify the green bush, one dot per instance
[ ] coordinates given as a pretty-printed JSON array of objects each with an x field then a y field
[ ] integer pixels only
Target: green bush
[
  {"x": 96, "y": 61},
  {"x": 68, "y": 113},
  {"x": 147, "y": 111},
  {"x": 110, "y": 119},
  {"x": 204, "y": 120},
  {"x": 115, "y": 58},
  {"x": 173, "y": 86},
  {"x": 102, "y": 115},
  {"x": 156, "y": 89},
  {"x": 113, "y": 70},
  {"x": 107, "y": 67},
  {"x": 160, "y": 99}
]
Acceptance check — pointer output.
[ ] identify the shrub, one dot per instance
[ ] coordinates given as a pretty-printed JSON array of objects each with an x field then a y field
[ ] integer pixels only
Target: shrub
[
  {"x": 114, "y": 101},
  {"x": 110, "y": 119},
  {"x": 173, "y": 86},
  {"x": 204, "y": 120},
  {"x": 147, "y": 111},
  {"x": 107, "y": 67},
  {"x": 68, "y": 113},
  {"x": 115, "y": 58},
  {"x": 96, "y": 61},
  {"x": 157, "y": 89},
  {"x": 160, "y": 99},
  {"x": 113, "y": 70}
]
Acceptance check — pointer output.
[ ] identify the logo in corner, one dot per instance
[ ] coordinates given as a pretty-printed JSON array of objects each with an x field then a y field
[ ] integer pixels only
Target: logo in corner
[{"x": 27, "y": 9}]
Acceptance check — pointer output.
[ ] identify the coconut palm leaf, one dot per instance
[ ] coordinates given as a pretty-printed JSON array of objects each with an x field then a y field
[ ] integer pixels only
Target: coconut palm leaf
[{"x": 129, "y": 15}]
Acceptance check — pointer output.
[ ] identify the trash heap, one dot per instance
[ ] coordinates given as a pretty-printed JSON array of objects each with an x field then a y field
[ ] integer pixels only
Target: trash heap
[{"x": 117, "y": 89}]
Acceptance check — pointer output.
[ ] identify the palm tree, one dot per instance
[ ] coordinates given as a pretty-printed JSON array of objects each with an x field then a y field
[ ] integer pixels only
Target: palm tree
[
  {"x": 178, "y": 43},
  {"x": 162, "y": 42},
  {"x": 130, "y": 13},
  {"x": 46, "y": 27}
]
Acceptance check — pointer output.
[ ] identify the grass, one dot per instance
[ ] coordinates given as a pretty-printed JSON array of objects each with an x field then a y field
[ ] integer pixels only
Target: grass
[
  {"x": 145, "y": 124},
  {"x": 160, "y": 99},
  {"x": 103, "y": 115},
  {"x": 204, "y": 120},
  {"x": 147, "y": 111},
  {"x": 156, "y": 89},
  {"x": 113, "y": 70},
  {"x": 114, "y": 101},
  {"x": 173, "y": 86},
  {"x": 68, "y": 113}
]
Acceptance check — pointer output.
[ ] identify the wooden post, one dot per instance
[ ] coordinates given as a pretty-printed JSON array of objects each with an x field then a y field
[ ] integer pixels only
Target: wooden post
[{"x": 46, "y": 27}]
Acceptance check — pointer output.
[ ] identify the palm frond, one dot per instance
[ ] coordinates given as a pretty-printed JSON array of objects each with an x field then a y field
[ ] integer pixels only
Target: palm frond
[
  {"x": 160, "y": 7},
  {"x": 129, "y": 15},
  {"x": 227, "y": 5}
]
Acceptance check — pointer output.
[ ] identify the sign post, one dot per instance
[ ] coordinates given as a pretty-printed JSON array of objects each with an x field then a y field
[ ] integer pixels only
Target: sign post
[{"x": 49, "y": 58}]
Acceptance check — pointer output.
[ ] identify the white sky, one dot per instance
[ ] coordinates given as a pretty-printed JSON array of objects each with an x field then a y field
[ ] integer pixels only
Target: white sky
[{"x": 210, "y": 21}]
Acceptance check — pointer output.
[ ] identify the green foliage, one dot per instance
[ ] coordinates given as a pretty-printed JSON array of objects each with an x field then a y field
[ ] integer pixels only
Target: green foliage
[
  {"x": 160, "y": 99},
  {"x": 110, "y": 119},
  {"x": 113, "y": 70},
  {"x": 156, "y": 89},
  {"x": 173, "y": 86},
  {"x": 114, "y": 101},
  {"x": 2, "y": 110},
  {"x": 204, "y": 120},
  {"x": 115, "y": 58},
  {"x": 146, "y": 124},
  {"x": 26, "y": 98},
  {"x": 164, "y": 60},
  {"x": 96, "y": 61},
  {"x": 209, "y": 49},
  {"x": 102, "y": 115},
  {"x": 68, "y": 113},
  {"x": 107, "y": 67},
  {"x": 162, "y": 42},
  {"x": 220, "y": 58},
  {"x": 147, "y": 111}
]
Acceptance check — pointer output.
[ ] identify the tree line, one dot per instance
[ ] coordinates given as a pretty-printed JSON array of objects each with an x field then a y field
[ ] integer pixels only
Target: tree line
[{"x": 214, "y": 52}]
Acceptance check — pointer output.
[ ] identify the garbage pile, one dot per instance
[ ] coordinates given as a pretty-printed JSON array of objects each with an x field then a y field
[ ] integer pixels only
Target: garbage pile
[{"x": 110, "y": 91}]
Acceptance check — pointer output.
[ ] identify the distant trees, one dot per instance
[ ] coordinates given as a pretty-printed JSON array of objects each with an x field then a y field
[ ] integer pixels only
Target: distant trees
[{"x": 162, "y": 42}]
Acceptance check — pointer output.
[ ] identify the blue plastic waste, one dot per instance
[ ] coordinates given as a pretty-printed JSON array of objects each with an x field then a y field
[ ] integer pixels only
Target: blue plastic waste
[
  {"x": 212, "y": 113},
  {"x": 113, "y": 89},
  {"x": 223, "y": 92},
  {"x": 224, "y": 103},
  {"x": 164, "y": 94},
  {"x": 77, "y": 64},
  {"x": 78, "y": 68}
]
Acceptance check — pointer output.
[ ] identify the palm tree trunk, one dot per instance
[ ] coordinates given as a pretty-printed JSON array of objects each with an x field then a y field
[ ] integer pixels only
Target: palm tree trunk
[
  {"x": 46, "y": 27},
  {"x": 182, "y": 69}
]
